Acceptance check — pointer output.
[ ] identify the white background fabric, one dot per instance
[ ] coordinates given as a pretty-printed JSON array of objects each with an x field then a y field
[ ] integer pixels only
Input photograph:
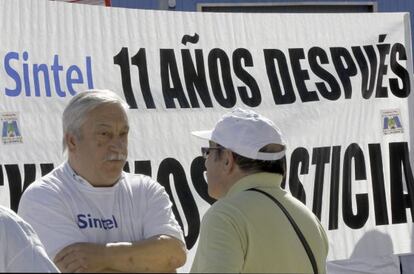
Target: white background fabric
[{"x": 81, "y": 46}]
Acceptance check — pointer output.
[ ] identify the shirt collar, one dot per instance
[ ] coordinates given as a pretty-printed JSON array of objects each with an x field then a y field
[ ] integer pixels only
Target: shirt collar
[
  {"x": 79, "y": 179},
  {"x": 261, "y": 179}
]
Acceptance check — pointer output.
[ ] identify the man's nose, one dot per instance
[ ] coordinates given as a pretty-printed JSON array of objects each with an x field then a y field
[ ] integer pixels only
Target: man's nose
[{"x": 118, "y": 144}]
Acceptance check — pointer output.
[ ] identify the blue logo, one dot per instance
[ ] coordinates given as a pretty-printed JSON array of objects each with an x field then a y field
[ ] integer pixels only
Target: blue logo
[
  {"x": 10, "y": 129},
  {"x": 392, "y": 122},
  {"x": 87, "y": 221}
]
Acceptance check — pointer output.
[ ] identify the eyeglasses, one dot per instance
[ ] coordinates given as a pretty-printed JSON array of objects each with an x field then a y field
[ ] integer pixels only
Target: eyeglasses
[{"x": 205, "y": 151}]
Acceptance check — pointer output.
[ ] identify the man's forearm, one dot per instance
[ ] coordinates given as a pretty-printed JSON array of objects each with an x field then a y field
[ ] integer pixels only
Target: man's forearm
[{"x": 157, "y": 254}]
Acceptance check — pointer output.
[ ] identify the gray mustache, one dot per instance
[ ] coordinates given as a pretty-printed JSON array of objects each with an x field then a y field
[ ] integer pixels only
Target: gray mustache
[{"x": 116, "y": 157}]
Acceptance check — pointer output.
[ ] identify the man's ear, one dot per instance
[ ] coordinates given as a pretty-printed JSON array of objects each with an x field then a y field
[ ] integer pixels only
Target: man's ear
[
  {"x": 71, "y": 141},
  {"x": 228, "y": 160}
]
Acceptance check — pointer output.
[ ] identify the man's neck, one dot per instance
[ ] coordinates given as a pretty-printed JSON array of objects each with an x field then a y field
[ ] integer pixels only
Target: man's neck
[
  {"x": 234, "y": 178},
  {"x": 77, "y": 170}
]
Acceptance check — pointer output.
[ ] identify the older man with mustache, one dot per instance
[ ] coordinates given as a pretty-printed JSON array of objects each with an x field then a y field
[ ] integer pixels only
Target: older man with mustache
[{"x": 90, "y": 215}]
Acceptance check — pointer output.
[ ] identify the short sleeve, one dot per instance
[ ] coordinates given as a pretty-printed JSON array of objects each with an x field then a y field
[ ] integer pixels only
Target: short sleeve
[
  {"x": 159, "y": 217},
  {"x": 23, "y": 250},
  {"x": 32, "y": 258},
  {"x": 43, "y": 209}
]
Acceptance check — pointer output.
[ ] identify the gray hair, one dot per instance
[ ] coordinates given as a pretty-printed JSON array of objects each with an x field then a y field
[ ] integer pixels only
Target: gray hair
[{"x": 79, "y": 106}]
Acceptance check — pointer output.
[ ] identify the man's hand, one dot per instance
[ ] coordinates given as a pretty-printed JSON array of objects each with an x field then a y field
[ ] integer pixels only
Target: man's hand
[{"x": 81, "y": 257}]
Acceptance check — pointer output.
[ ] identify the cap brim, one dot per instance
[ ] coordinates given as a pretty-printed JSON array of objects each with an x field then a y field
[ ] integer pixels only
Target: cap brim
[{"x": 204, "y": 134}]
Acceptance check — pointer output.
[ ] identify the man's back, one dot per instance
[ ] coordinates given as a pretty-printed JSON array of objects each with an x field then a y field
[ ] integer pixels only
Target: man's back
[{"x": 256, "y": 234}]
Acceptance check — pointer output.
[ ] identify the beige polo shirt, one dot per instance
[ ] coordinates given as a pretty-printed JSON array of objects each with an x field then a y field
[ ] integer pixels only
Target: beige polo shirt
[{"x": 246, "y": 231}]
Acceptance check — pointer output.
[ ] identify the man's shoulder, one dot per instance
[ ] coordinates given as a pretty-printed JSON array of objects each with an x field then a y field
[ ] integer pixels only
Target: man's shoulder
[
  {"x": 140, "y": 181},
  {"x": 48, "y": 183},
  {"x": 235, "y": 206},
  {"x": 142, "y": 188},
  {"x": 10, "y": 228},
  {"x": 226, "y": 208},
  {"x": 7, "y": 216},
  {"x": 137, "y": 179},
  {"x": 237, "y": 200}
]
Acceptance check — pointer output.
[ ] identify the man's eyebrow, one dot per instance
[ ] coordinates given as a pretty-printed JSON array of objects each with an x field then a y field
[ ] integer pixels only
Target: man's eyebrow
[{"x": 102, "y": 125}]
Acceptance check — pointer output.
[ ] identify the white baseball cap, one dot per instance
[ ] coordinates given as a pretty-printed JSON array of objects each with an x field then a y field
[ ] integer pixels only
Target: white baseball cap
[{"x": 245, "y": 132}]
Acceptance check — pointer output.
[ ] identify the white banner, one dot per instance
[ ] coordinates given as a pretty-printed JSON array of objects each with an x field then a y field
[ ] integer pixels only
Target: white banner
[{"x": 338, "y": 86}]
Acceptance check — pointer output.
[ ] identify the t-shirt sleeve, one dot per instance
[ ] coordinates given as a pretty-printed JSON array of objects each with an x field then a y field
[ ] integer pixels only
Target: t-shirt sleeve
[
  {"x": 159, "y": 217},
  {"x": 32, "y": 259},
  {"x": 45, "y": 211},
  {"x": 25, "y": 252},
  {"x": 219, "y": 247}
]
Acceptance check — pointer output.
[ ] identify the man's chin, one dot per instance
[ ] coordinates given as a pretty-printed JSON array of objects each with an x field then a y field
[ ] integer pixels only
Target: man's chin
[
  {"x": 111, "y": 177},
  {"x": 114, "y": 167}
]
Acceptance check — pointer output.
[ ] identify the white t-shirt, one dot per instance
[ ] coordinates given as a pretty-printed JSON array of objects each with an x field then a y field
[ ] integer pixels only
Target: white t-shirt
[
  {"x": 64, "y": 209},
  {"x": 20, "y": 247},
  {"x": 387, "y": 264}
]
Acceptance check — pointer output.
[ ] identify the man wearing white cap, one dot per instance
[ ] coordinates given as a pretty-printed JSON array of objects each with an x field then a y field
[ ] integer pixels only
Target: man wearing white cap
[{"x": 255, "y": 226}]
